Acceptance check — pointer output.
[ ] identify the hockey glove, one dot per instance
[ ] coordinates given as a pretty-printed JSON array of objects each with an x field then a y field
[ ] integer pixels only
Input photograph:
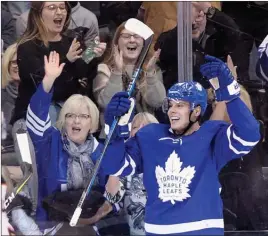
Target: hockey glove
[
  {"x": 119, "y": 106},
  {"x": 220, "y": 78}
]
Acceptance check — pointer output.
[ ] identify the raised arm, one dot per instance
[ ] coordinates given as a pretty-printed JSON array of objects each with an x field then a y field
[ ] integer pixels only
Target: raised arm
[
  {"x": 262, "y": 64},
  {"x": 242, "y": 135},
  {"x": 37, "y": 119},
  {"x": 154, "y": 92}
]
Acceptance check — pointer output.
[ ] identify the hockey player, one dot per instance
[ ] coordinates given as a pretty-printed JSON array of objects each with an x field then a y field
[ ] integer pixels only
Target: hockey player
[
  {"x": 180, "y": 162},
  {"x": 262, "y": 64}
]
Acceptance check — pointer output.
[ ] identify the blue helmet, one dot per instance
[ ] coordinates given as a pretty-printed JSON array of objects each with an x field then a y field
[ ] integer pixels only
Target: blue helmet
[{"x": 191, "y": 92}]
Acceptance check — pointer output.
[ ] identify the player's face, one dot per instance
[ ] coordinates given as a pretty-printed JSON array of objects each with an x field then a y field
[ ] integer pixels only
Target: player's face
[{"x": 178, "y": 113}]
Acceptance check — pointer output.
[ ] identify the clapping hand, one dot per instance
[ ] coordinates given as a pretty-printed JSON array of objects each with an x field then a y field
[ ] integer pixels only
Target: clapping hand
[
  {"x": 74, "y": 52},
  {"x": 118, "y": 58},
  {"x": 231, "y": 66},
  {"x": 152, "y": 62}
]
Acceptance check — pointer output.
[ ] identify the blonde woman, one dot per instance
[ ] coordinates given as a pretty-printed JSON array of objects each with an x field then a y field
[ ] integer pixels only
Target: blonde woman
[
  {"x": 10, "y": 83},
  {"x": 133, "y": 192},
  {"x": 65, "y": 154},
  {"x": 114, "y": 75}
]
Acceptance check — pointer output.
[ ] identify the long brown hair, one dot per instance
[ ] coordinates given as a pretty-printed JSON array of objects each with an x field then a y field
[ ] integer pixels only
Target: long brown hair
[
  {"x": 35, "y": 25},
  {"x": 108, "y": 57}
]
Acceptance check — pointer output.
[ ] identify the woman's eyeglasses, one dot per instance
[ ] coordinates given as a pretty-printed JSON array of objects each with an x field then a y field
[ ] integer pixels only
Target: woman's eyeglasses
[
  {"x": 72, "y": 116},
  {"x": 54, "y": 8},
  {"x": 128, "y": 36}
]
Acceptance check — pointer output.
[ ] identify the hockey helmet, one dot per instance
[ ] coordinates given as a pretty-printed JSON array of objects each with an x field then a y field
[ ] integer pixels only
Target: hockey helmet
[{"x": 192, "y": 92}]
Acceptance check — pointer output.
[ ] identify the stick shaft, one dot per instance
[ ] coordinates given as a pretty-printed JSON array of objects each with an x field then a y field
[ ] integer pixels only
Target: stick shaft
[{"x": 130, "y": 90}]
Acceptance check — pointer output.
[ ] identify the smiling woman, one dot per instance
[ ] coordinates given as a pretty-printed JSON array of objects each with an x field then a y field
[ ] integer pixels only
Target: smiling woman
[
  {"x": 46, "y": 24},
  {"x": 115, "y": 73}
]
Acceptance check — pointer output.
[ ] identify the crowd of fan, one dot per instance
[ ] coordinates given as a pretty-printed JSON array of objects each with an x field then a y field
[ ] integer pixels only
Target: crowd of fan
[{"x": 231, "y": 31}]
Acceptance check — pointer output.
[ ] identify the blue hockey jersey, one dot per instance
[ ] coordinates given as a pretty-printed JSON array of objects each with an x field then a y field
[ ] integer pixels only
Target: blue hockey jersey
[
  {"x": 262, "y": 64},
  {"x": 180, "y": 174},
  {"x": 51, "y": 158}
]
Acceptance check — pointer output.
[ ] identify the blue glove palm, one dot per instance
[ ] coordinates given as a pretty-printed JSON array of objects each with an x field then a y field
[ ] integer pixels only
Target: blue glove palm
[
  {"x": 227, "y": 88},
  {"x": 117, "y": 107}
]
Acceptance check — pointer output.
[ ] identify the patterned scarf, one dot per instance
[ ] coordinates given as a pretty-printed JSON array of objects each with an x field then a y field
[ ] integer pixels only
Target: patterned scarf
[{"x": 80, "y": 166}]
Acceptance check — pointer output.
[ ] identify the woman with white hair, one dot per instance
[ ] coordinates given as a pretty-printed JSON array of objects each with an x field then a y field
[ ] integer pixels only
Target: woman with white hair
[{"x": 65, "y": 154}]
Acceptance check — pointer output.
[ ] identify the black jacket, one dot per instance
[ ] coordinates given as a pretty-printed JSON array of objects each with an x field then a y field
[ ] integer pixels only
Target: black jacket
[
  {"x": 219, "y": 39},
  {"x": 30, "y": 56}
]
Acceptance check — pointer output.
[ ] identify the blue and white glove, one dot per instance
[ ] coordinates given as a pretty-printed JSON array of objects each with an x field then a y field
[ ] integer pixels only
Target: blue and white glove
[
  {"x": 120, "y": 106},
  {"x": 220, "y": 78}
]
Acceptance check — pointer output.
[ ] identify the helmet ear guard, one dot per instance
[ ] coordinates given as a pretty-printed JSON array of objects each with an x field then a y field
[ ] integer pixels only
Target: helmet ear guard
[{"x": 165, "y": 105}]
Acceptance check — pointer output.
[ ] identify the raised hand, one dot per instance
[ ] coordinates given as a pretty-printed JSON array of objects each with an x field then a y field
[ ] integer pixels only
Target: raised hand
[
  {"x": 74, "y": 52},
  {"x": 216, "y": 70},
  {"x": 118, "y": 58},
  {"x": 52, "y": 69},
  {"x": 152, "y": 62},
  {"x": 231, "y": 66}
]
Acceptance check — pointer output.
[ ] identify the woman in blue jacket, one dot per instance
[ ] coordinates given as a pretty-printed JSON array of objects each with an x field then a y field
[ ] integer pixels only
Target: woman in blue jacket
[{"x": 65, "y": 154}]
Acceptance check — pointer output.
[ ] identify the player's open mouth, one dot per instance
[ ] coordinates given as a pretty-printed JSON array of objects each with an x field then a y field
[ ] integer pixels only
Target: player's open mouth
[{"x": 174, "y": 118}]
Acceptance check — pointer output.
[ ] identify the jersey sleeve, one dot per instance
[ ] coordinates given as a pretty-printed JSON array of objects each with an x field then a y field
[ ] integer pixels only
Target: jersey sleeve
[
  {"x": 123, "y": 158},
  {"x": 37, "y": 119},
  {"x": 237, "y": 139},
  {"x": 262, "y": 64}
]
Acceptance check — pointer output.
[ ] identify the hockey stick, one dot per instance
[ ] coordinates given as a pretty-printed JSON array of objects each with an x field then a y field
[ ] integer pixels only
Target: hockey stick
[
  {"x": 146, "y": 33},
  {"x": 26, "y": 165}
]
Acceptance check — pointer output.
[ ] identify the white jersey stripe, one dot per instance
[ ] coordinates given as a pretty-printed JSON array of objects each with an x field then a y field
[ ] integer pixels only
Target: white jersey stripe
[
  {"x": 133, "y": 165},
  {"x": 184, "y": 227},
  {"x": 118, "y": 173},
  {"x": 32, "y": 128},
  {"x": 230, "y": 143},
  {"x": 243, "y": 142},
  {"x": 36, "y": 118}
]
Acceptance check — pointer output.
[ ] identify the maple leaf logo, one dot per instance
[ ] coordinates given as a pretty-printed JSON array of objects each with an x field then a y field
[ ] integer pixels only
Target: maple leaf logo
[{"x": 174, "y": 181}]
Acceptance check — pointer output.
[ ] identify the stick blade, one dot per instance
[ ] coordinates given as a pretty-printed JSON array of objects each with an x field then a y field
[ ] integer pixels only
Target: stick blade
[
  {"x": 24, "y": 146},
  {"x": 139, "y": 28}
]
